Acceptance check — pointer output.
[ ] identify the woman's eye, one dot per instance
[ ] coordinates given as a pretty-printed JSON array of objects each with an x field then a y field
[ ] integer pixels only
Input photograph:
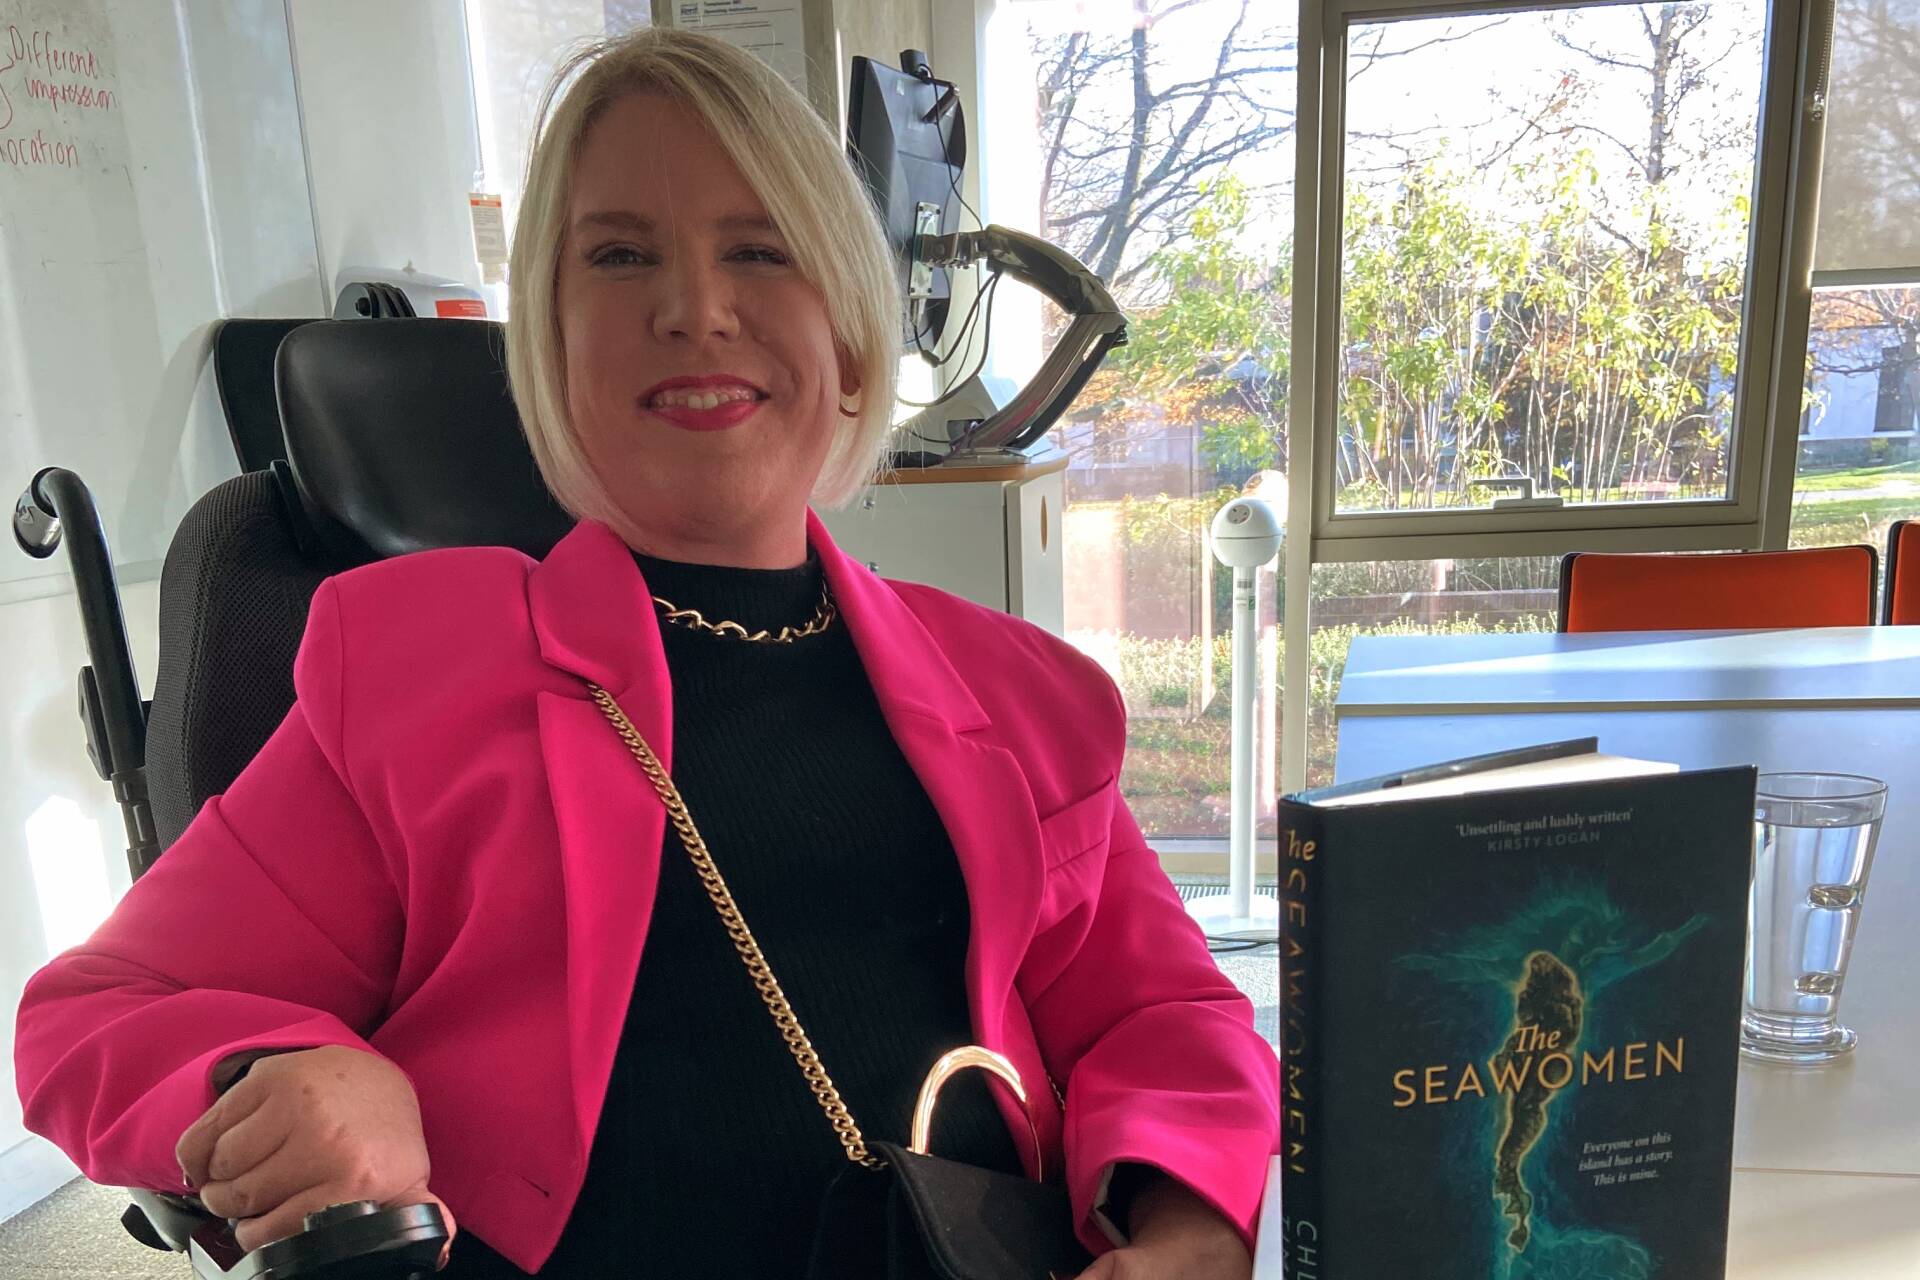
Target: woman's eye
[
  {"x": 616, "y": 255},
  {"x": 761, "y": 253}
]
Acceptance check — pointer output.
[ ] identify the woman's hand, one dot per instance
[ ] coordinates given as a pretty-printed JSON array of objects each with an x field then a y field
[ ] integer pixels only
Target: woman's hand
[
  {"x": 1176, "y": 1236},
  {"x": 305, "y": 1130}
]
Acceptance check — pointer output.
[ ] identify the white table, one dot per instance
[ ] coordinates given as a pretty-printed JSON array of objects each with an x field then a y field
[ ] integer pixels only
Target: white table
[{"x": 1827, "y": 1161}]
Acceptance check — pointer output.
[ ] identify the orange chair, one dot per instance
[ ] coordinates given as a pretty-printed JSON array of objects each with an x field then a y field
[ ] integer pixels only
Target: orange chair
[
  {"x": 1719, "y": 591},
  {"x": 1903, "y": 574}
]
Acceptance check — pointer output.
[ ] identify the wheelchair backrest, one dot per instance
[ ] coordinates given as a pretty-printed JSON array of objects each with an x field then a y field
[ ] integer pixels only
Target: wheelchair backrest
[
  {"x": 243, "y": 361},
  {"x": 400, "y": 436}
]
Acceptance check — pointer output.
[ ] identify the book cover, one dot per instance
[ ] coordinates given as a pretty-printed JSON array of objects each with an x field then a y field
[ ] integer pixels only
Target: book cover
[{"x": 1509, "y": 1031}]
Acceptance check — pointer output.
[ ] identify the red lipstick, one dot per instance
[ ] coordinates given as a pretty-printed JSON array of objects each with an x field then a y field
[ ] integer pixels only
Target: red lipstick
[{"x": 730, "y": 411}]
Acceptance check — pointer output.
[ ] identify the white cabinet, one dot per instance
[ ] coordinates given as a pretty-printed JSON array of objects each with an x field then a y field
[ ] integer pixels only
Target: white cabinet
[{"x": 990, "y": 534}]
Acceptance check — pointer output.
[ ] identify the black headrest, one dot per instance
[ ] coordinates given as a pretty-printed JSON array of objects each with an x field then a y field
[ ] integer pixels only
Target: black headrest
[
  {"x": 402, "y": 436},
  {"x": 243, "y": 352}
]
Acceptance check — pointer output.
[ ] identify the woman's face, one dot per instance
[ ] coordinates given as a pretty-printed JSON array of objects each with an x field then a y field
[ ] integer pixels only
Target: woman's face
[{"x": 701, "y": 371}]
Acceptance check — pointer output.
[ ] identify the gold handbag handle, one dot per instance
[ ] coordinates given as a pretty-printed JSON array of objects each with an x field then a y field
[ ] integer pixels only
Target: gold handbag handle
[{"x": 951, "y": 1064}]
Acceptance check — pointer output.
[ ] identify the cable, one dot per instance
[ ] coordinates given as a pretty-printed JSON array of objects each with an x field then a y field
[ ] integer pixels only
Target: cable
[
  {"x": 1226, "y": 946},
  {"x": 953, "y": 181},
  {"x": 966, "y": 325},
  {"x": 980, "y": 224},
  {"x": 953, "y": 186},
  {"x": 991, "y": 291},
  {"x": 949, "y": 447},
  {"x": 965, "y": 336}
]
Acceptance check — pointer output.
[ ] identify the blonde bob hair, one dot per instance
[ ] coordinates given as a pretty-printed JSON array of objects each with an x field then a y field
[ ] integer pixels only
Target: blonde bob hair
[{"x": 793, "y": 163}]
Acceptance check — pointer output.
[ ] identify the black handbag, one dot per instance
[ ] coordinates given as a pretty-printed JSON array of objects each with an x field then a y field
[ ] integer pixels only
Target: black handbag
[
  {"x": 923, "y": 1218},
  {"x": 895, "y": 1213}
]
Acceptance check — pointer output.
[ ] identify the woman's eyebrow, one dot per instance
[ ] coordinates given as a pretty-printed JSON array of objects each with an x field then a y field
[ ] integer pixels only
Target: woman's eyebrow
[
  {"x": 747, "y": 221},
  {"x": 613, "y": 220}
]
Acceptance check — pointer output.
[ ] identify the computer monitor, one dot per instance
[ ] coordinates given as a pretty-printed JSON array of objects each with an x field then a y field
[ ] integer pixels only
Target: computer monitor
[{"x": 907, "y": 138}]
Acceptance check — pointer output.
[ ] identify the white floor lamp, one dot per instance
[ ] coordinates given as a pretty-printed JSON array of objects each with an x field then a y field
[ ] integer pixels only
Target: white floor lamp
[{"x": 1247, "y": 533}]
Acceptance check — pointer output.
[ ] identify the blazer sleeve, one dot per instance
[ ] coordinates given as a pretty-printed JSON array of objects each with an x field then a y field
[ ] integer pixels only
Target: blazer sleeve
[
  {"x": 273, "y": 922},
  {"x": 1162, "y": 1064}
]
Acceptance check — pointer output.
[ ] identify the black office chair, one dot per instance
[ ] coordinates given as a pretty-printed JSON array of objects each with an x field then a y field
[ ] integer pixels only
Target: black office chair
[
  {"x": 399, "y": 437},
  {"x": 243, "y": 372}
]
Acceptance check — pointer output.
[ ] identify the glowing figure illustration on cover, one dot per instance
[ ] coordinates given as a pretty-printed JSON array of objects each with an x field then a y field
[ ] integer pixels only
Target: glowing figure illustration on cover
[{"x": 1553, "y": 960}]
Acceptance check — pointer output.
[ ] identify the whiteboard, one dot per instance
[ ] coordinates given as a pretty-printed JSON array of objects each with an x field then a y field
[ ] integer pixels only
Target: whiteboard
[{"x": 152, "y": 181}]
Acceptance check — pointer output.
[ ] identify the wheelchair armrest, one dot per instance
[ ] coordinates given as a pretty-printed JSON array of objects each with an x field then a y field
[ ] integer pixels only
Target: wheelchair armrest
[
  {"x": 161, "y": 1221},
  {"x": 356, "y": 1241}
]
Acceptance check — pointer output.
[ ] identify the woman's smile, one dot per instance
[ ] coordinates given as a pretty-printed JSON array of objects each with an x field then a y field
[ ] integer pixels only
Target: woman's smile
[
  {"x": 702, "y": 372},
  {"x": 712, "y": 402}
]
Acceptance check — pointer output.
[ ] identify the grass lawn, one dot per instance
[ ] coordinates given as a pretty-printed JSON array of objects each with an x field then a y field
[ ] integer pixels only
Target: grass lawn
[
  {"x": 1828, "y": 509},
  {"x": 1825, "y": 522},
  {"x": 1896, "y": 477},
  {"x": 1175, "y": 778}
]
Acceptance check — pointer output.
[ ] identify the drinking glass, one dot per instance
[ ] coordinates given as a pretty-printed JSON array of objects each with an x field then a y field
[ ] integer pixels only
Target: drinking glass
[{"x": 1813, "y": 846}]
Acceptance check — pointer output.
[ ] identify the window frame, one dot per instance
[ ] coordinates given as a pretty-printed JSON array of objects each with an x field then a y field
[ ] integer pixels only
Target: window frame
[
  {"x": 1780, "y": 257},
  {"x": 1701, "y": 524},
  {"x": 1790, "y": 139}
]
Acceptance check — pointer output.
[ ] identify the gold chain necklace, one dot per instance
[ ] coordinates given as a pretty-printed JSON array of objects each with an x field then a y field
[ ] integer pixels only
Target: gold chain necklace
[{"x": 693, "y": 620}]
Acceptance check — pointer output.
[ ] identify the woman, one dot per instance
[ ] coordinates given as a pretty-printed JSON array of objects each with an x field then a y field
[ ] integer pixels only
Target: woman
[{"x": 440, "y": 942}]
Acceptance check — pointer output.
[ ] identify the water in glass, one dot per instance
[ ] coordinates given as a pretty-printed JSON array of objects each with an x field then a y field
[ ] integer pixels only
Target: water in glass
[{"x": 1813, "y": 847}]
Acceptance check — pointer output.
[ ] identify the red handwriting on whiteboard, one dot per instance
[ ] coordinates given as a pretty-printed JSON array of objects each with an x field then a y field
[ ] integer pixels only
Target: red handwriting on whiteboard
[
  {"x": 39, "y": 152},
  {"x": 71, "y": 94},
  {"x": 39, "y": 50},
  {"x": 6, "y": 51},
  {"x": 42, "y": 52}
]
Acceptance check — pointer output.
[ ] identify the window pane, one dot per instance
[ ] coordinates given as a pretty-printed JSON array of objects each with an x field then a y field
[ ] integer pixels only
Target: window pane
[
  {"x": 1146, "y": 600},
  {"x": 516, "y": 46},
  {"x": 1544, "y": 243},
  {"x": 1859, "y": 466},
  {"x": 1414, "y": 597},
  {"x": 1869, "y": 187},
  {"x": 1164, "y": 153}
]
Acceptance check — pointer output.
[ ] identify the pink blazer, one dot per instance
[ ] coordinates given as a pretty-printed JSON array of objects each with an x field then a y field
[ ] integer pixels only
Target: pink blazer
[{"x": 445, "y": 856}]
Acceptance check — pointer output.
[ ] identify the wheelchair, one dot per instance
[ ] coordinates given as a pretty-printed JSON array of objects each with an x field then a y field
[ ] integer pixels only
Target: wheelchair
[
  {"x": 367, "y": 440},
  {"x": 398, "y": 436}
]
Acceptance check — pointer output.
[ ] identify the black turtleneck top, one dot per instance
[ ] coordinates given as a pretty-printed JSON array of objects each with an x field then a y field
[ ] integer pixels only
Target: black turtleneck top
[{"x": 712, "y": 1155}]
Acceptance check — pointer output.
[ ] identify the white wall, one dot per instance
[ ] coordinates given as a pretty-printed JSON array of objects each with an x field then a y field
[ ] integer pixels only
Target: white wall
[
  {"x": 516, "y": 49},
  {"x": 386, "y": 97},
  {"x": 109, "y": 277},
  {"x": 980, "y": 46},
  {"x": 191, "y": 204},
  {"x": 64, "y": 862},
  {"x": 195, "y": 204}
]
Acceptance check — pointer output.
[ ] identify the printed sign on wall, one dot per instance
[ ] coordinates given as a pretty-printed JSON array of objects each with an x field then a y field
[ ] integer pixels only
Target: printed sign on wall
[{"x": 771, "y": 31}]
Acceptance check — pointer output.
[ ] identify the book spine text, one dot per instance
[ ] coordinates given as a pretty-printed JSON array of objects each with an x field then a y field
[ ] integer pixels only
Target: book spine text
[{"x": 1302, "y": 869}]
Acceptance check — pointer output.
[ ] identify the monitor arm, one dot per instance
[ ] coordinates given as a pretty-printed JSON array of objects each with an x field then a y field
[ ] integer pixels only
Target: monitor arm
[{"x": 1097, "y": 327}]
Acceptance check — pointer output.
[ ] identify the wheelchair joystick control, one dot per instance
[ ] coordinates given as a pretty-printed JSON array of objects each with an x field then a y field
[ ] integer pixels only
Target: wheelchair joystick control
[
  {"x": 355, "y": 1240},
  {"x": 341, "y": 1213}
]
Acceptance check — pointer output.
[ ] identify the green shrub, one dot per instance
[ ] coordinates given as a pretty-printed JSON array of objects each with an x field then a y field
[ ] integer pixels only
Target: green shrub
[
  {"x": 1186, "y": 754},
  {"x": 1168, "y": 695}
]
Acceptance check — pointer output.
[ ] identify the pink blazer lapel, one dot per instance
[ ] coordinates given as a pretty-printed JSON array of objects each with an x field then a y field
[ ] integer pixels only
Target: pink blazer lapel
[{"x": 594, "y": 620}]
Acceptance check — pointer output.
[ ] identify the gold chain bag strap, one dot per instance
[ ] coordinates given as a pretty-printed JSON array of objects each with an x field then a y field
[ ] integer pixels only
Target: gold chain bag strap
[{"x": 953, "y": 1251}]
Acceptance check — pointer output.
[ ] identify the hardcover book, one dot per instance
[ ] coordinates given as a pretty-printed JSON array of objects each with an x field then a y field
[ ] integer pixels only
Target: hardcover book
[{"x": 1510, "y": 1019}]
